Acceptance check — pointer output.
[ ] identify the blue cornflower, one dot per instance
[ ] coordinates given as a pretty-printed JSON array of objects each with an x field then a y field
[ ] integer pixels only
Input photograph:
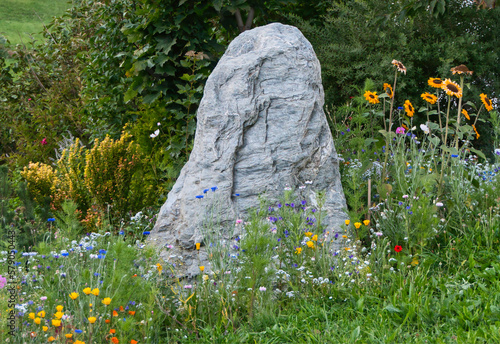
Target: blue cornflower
[
  {"x": 303, "y": 202},
  {"x": 214, "y": 188},
  {"x": 65, "y": 254},
  {"x": 205, "y": 191},
  {"x": 199, "y": 196},
  {"x": 400, "y": 203},
  {"x": 279, "y": 205},
  {"x": 146, "y": 232},
  {"x": 51, "y": 219},
  {"x": 96, "y": 274},
  {"x": 78, "y": 331},
  {"x": 102, "y": 251},
  {"x": 341, "y": 133},
  {"x": 236, "y": 194},
  {"x": 121, "y": 232},
  {"x": 89, "y": 248},
  {"x": 101, "y": 256},
  {"x": 454, "y": 155}
]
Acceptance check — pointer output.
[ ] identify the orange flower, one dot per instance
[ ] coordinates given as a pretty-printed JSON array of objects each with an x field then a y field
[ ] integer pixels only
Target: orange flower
[
  {"x": 121, "y": 309},
  {"x": 198, "y": 245},
  {"x": 388, "y": 90},
  {"x": 107, "y": 321},
  {"x": 133, "y": 341},
  {"x": 112, "y": 331},
  {"x": 115, "y": 340},
  {"x": 466, "y": 114},
  {"x": 115, "y": 313},
  {"x": 131, "y": 312}
]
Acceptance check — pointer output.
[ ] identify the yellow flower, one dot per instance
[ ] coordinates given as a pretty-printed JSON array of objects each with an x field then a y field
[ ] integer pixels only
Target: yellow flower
[
  {"x": 41, "y": 314},
  {"x": 388, "y": 90},
  {"x": 198, "y": 245},
  {"x": 466, "y": 114},
  {"x": 45, "y": 328},
  {"x": 410, "y": 110},
  {"x": 31, "y": 315},
  {"x": 92, "y": 320},
  {"x": 414, "y": 261},
  {"x": 452, "y": 89},
  {"x": 435, "y": 82},
  {"x": 486, "y": 101},
  {"x": 347, "y": 248},
  {"x": 106, "y": 301},
  {"x": 51, "y": 339},
  {"x": 308, "y": 234},
  {"x": 202, "y": 268},
  {"x": 38, "y": 321},
  {"x": 315, "y": 237},
  {"x": 429, "y": 98},
  {"x": 59, "y": 315},
  {"x": 87, "y": 291},
  {"x": 399, "y": 66},
  {"x": 59, "y": 308},
  {"x": 347, "y": 222},
  {"x": 73, "y": 296},
  {"x": 79, "y": 342},
  {"x": 371, "y": 97},
  {"x": 298, "y": 250},
  {"x": 95, "y": 291},
  {"x": 68, "y": 335},
  {"x": 310, "y": 244},
  {"x": 366, "y": 222},
  {"x": 205, "y": 277},
  {"x": 56, "y": 322},
  {"x": 344, "y": 236},
  {"x": 357, "y": 225},
  {"x": 477, "y": 134},
  {"x": 159, "y": 268}
]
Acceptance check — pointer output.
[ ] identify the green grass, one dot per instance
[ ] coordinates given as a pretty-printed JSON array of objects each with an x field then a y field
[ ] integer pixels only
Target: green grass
[{"x": 22, "y": 19}]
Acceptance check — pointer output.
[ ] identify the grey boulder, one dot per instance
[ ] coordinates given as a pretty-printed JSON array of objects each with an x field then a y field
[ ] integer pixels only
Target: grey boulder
[{"x": 260, "y": 128}]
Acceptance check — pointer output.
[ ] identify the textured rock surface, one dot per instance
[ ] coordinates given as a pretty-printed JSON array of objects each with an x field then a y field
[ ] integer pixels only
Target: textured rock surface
[{"x": 260, "y": 126}]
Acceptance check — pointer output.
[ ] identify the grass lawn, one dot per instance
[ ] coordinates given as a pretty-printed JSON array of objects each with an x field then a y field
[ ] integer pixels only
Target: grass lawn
[{"x": 19, "y": 19}]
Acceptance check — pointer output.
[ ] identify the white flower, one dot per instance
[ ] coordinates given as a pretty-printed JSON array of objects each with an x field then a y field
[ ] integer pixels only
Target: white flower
[
  {"x": 439, "y": 204},
  {"x": 156, "y": 133},
  {"x": 262, "y": 289},
  {"x": 424, "y": 128}
]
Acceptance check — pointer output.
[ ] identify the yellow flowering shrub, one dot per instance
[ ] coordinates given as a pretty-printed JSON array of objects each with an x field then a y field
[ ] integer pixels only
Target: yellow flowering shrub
[
  {"x": 110, "y": 167},
  {"x": 42, "y": 181},
  {"x": 71, "y": 167}
]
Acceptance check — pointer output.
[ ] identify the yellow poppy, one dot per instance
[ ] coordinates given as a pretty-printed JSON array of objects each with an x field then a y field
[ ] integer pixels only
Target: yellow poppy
[
  {"x": 106, "y": 301},
  {"x": 56, "y": 322},
  {"x": 298, "y": 250},
  {"x": 73, "y": 296},
  {"x": 38, "y": 321},
  {"x": 41, "y": 314},
  {"x": 366, "y": 222},
  {"x": 95, "y": 291},
  {"x": 87, "y": 291},
  {"x": 92, "y": 320},
  {"x": 357, "y": 225},
  {"x": 59, "y": 308},
  {"x": 202, "y": 268}
]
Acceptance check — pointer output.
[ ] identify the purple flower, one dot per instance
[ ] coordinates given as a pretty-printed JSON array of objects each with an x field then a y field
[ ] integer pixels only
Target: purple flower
[
  {"x": 3, "y": 281},
  {"x": 400, "y": 130}
]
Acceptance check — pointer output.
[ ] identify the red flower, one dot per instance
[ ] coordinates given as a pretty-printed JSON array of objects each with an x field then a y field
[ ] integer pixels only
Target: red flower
[
  {"x": 44, "y": 141},
  {"x": 398, "y": 248}
]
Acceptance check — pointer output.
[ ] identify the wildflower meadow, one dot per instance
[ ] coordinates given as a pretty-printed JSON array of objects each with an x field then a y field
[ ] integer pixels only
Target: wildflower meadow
[
  {"x": 98, "y": 117},
  {"x": 416, "y": 262}
]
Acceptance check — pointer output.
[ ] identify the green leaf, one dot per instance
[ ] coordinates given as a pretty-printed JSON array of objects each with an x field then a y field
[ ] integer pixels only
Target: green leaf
[
  {"x": 392, "y": 309},
  {"x": 165, "y": 44},
  {"x": 369, "y": 141},
  {"x": 478, "y": 153},
  {"x": 129, "y": 95},
  {"x": 217, "y": 5},
  {"x": 150, "y": 98},
  {"x": 355, "y": 334},
  {"x": 434, "y": 140}
]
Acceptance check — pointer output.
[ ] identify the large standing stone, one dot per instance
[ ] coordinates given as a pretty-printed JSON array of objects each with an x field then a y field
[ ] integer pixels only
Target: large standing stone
[{"x": 260, "y": 126}]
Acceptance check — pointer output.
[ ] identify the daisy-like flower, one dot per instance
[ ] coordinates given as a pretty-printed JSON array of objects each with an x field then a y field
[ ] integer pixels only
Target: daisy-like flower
[
  {"x": 424, "y": 128},
  {"x": 73, "y": 295},
  {"x": 371, "y": 97},
  {"x": 429, "y": 98},
  {"x": 462, "y": 69},
  {"x": 466, "y": 114},
  {"x": 410, "y": 110},
  {"x": 452, "y": 89},
  {"x": 435, "y": 82},
  {"x": 401, "y": 68},
  {"x": 486, "y": 101},
  {"x": 388, "y": 90}
]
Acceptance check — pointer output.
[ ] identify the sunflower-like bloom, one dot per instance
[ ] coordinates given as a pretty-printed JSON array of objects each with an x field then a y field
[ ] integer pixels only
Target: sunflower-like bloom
[
  {"x": 429, "y": 98},
  {"x": 475, "y": 130},
  {"x": 452, "y": 89},
  {"x": 486, "y": 101},
  {"x": 410, "y": 110},
  {"x": 462, "y": 69},
  {"x": 435, "y": 82},
  {"x": 371, "y": 97},
  {"x": 401, "y": 68},
  {"x": 388, "y": 90},
  {"x": 466, "y": 114}
]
